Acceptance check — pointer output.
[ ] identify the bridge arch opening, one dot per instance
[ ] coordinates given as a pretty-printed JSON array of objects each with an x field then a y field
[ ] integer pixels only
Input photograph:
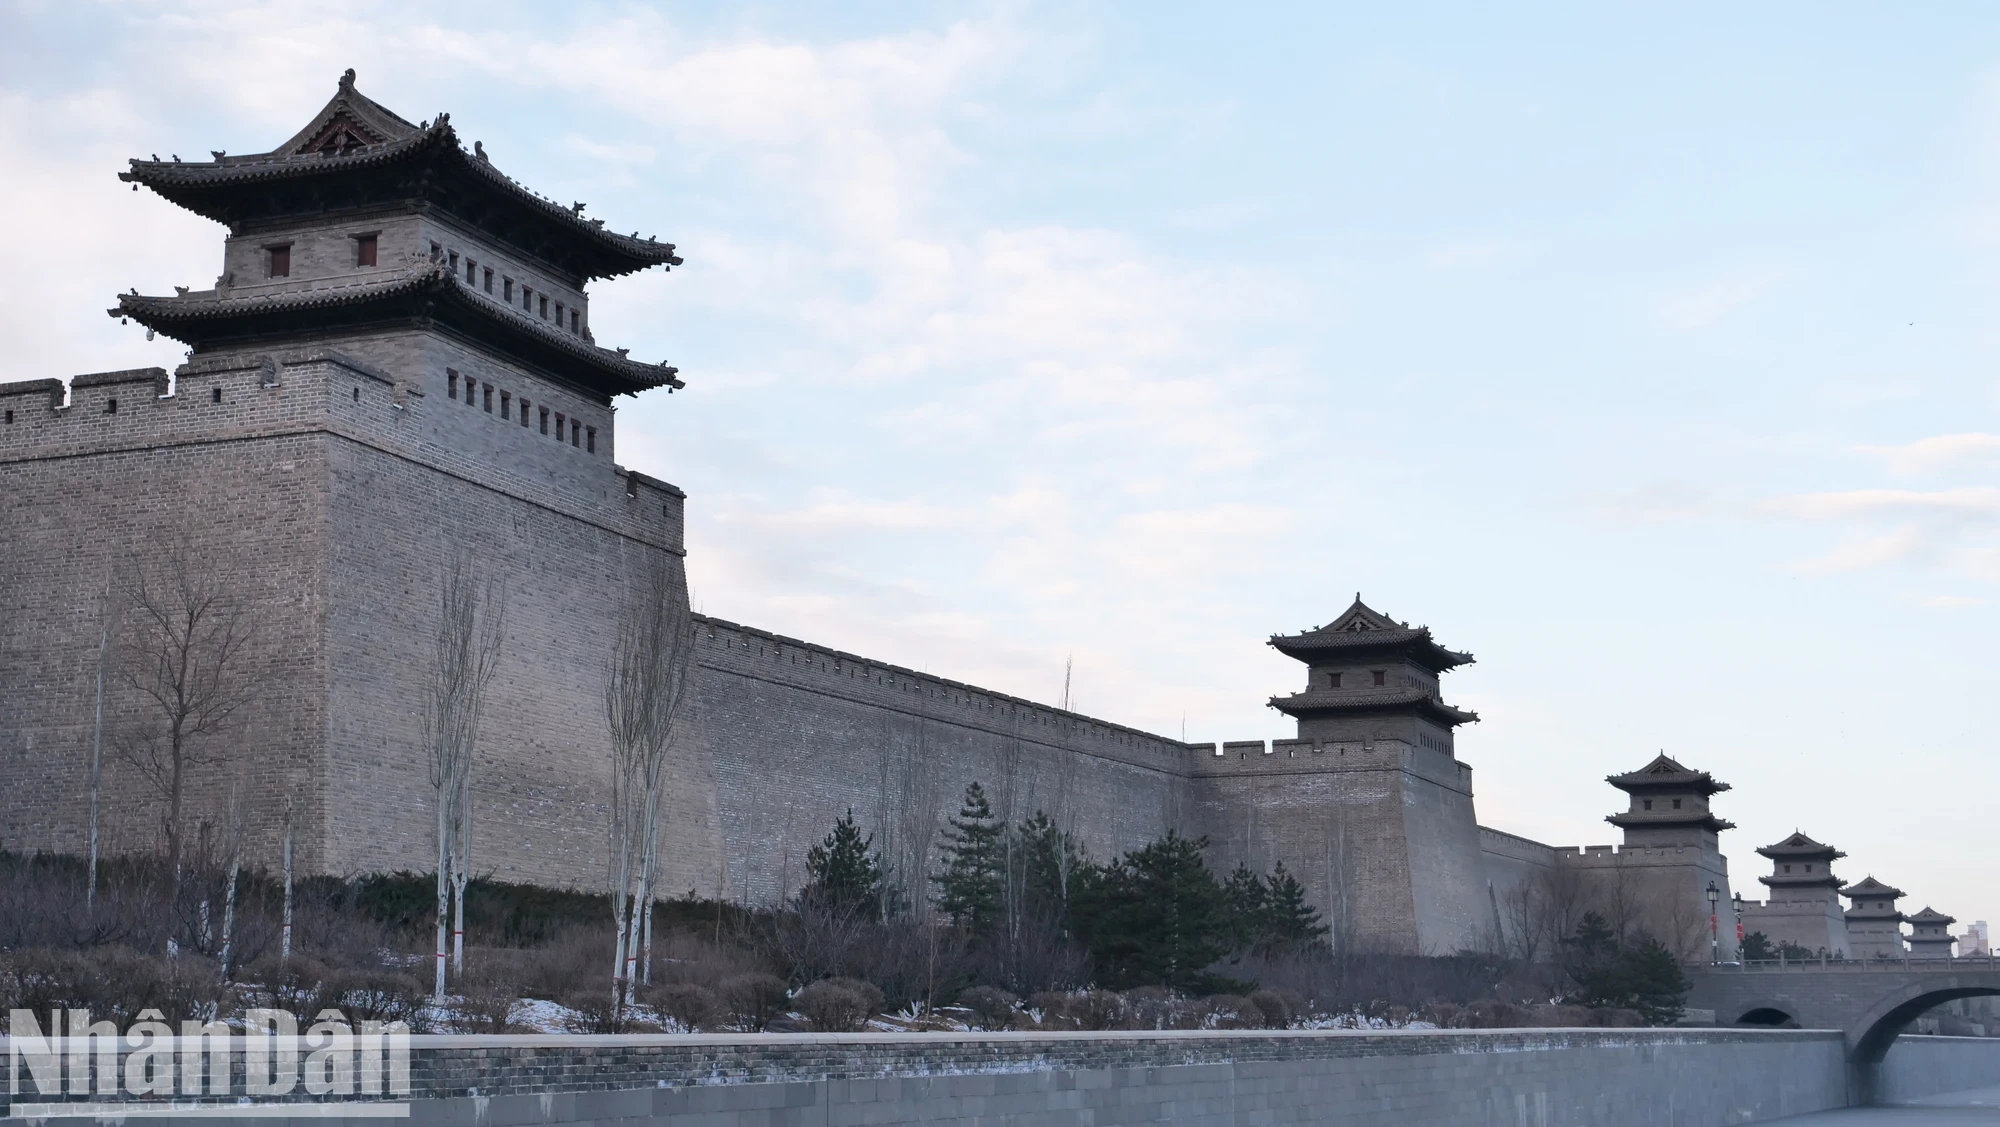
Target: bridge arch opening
[
  {"x": 1881, "y": 1029},
  {"x": 1770, "y": 1017}
]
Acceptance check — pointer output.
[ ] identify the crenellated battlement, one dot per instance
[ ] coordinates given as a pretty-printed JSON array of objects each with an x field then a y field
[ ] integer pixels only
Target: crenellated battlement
[{"x": 249, "y": 396}]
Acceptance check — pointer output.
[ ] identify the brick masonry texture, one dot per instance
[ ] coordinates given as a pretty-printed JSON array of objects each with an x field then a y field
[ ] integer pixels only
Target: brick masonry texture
[{"x": 1538, "y": 1077}]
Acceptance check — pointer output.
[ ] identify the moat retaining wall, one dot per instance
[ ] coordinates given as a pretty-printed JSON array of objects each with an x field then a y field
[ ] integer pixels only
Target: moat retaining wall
[{"x": 1544, "y": 1078}]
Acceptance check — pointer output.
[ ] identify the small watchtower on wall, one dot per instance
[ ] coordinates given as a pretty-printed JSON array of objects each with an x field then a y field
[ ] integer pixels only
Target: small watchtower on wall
[
  {"x": 1804, "y": 905},
  {"x": 1369, "y": 805},
  {"x": 1930, "y": 934},
  {"x": 1672, "y": 853},
  {"x": 1874, "y": 923}
]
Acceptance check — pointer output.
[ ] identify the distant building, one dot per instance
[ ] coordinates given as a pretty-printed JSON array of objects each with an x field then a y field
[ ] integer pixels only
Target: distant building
[
  {"x": 1930, "y": 935},
  {"x": 1804, "y": 908},
  {"x": 1974, "y": 941},
  {"x": 1874, "y": 923}
]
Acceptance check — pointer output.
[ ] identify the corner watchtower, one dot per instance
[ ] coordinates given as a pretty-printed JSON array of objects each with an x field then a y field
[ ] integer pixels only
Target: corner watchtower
[
  {"x": 1370, "y": 677},
  {"x": 400, "y": 245}
]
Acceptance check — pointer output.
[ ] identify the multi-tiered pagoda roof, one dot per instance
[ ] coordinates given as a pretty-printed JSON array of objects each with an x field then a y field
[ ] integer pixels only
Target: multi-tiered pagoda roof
[
  {"x": 356, "y": 154},
  {"x": 1362, "y": 635},
  {"x": 357, "y": 157},
  {"x": 1810, "y": 863},
  {"x": 1873, "y": 900},
  {"x": 1664, "y": 778}
]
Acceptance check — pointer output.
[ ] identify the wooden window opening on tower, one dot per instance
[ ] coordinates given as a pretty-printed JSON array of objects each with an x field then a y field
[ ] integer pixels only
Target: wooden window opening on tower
[
  {"x": 364, "y": 249},
  {"x": 489, "y": 279},
  {"x": 451, "y": 383},
  {"x": 545, "y": 420},
  {"x": 506, "y": 403},
  {"x": 470, "y": 383},
  {"x": 524, "y": 411},
  {"x": 1381, "y": 676},
  {"x": 575, "y": 321},
  {"x": 590, "y": 440},
  {"x": 489, "y": 399},
  {"x": 1333, "y": 680},
  {"x": 561, "y": 419},
  {"x": 278, "y": 261}
]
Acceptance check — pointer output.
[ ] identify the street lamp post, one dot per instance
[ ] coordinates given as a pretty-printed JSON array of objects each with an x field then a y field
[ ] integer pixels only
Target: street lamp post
[
  {"x": 1736, "y": 902},
  {"x": 1714, "y": 939}
]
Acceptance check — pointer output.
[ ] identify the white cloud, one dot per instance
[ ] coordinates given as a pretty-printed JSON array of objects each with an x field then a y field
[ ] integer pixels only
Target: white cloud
[
  {"x": 1966, "y": 501},
  {"x": 1944, "y": 451},
  {"x": 1707, "y": 304}
]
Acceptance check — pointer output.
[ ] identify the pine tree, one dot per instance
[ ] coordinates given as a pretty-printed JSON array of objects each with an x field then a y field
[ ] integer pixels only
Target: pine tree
[
  {"x": 1290, "y": 923},
  {"x": 1050, "y": 862},
  {"x": 1247, "y": 903},
  {"x": 844, "y": 874},
  {"x": 971, "y": 889},
  {"x": 1756, "y": 946},
  {"x": 1655, "y": 984},
  {"x": 1156, "y": 916}
]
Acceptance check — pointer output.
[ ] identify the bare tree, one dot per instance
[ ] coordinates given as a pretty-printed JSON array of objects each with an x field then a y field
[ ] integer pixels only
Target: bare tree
[
  {"x": 97, "y": 749},
  {"x": 184, "y": 652},
  {"x": 233, "y": 835},
  {"x": 645, "y": 699},
  {"x": 466, "y": 653}
]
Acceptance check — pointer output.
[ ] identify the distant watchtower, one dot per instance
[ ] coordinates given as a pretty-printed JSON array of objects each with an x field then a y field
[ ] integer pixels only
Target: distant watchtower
[
  {"x": 1874, "y": 923},
  {"x": 1669, "y": 806},
  {"x": 1804, "y": 908},
  {"x": 1672, "y": 851},
  {"x": 1930, "y": 934}
]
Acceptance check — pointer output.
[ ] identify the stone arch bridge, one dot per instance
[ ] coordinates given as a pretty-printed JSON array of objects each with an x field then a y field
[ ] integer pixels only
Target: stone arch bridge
[{"x": 1870, "y": 1001}]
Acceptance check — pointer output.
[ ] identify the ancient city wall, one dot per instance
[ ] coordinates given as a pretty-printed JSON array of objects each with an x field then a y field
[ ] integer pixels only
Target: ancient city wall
[
  {"x": 1380, "y": 832},
  {"x": 800, "y": 733}
]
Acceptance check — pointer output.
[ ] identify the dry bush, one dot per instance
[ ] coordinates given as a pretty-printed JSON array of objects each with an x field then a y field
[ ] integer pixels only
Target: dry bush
[
  {"x": 1156, "y": 1007},
  {"x": 382, "y": 995},
  {"x": 600, "y": 1009},
  {"x": 1558, "y": 1017},
  {"x": 575, "y": 963},
  {"x": 1094, "y": 1010},
  {"x": 684, "y": 957},
  {"x": 830, "y": 1007},
  {"x": 694, "y": 1008},
  {"x": 112, "y": 983},
  {"x": 1611, "y": 1017},
  {"x": 1278, "y": 1008},
  {"x": 488, "y": 990},
  {"x": 1231, "y": 1011},
  {"x": 992, "y": 1008},
  {"x": 755, "y": 1000}
]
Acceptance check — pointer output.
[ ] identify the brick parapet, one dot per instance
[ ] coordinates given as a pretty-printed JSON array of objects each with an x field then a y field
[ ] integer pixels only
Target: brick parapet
[
  {"x": 805, "y": 665},
  {"x": 277, "y": 394},
  {"x": 445, "y": 1067},
  {"x": 1238, "y": 758}
]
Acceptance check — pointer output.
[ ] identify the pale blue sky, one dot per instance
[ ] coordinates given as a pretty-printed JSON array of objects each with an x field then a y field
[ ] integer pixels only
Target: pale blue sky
[{"x": 1643, "y": 354}]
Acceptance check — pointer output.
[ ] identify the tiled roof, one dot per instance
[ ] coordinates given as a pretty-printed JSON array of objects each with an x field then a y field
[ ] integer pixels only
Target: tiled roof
[
  {"x": 1670, "y": 818},
  {"x": 1931, "y": 915},
  {"x": 1870, "y": 887},
  {"x": 184, "y": 312},
  {"x": 1799, "y": 845},
  {"x": 1362, "y": 627},
  {"x": 1664, "y": 773},
  {"x": 1337, "y": 700},
  {"x": 436, "y": 141}
]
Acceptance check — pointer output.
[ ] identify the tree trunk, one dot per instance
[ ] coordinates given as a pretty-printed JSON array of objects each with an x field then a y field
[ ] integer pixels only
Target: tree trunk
[
  {"x": 285, "y": 937},
  {"x": 443, "y": 904},
  {"x": 97, "y": 760},
  {"x": 229, "y": 913}
]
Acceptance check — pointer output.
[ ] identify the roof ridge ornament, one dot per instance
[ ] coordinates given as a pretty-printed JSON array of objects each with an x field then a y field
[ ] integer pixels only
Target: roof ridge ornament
[{"x": 347, "y": 80}]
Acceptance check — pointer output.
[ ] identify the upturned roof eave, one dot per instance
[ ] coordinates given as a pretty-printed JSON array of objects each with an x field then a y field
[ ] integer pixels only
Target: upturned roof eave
[
  {"x": 1640, "y": 821},
  {"x": 1302, "y": 705},
  {"x": 176, "y": 317},
  {"x": 1305, "y": 647},
  {"x": 188, "y": 183}
]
